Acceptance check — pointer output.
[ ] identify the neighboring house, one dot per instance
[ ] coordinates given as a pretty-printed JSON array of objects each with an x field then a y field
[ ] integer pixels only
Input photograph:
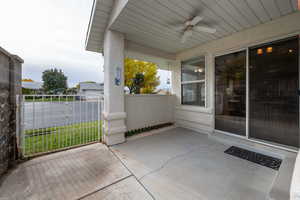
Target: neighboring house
[
  {"x": 90, "y": 89},
  {"x": 234, "y": 64},
  {"x": 32, "y": 87}
]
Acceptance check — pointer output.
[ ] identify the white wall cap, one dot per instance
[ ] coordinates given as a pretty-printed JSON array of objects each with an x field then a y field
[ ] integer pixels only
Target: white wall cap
[{"x": 114, "y": 116}]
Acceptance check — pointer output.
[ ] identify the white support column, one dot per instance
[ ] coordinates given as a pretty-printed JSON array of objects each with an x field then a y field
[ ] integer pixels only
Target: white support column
[{"x": 114, "y": 113}]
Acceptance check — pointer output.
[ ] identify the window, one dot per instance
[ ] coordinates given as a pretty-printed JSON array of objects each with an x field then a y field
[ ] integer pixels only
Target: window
[{"x": 193, "y": 82}]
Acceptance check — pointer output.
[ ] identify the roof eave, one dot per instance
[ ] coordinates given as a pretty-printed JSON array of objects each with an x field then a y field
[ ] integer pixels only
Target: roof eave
[{"x": 87, "y": 46}]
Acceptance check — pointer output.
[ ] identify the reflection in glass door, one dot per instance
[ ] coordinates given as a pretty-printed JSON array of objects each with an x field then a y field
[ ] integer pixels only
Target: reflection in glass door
[
  {"x": 230, "y": 93},
  {"x": 273, "y": 85}
]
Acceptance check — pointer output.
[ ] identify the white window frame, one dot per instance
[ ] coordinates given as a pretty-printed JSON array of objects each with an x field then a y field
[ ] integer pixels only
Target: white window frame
[{"x": 195, "y": 81}]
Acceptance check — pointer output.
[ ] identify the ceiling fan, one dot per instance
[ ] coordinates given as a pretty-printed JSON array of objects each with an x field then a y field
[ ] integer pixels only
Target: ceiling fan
[{"x": 190, "y": 25}]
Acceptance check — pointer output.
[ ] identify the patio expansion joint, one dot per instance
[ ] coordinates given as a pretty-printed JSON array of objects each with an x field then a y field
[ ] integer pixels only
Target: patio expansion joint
[
  {"x": 132, "y": 174},
  {"x": 102, "y": 188}
]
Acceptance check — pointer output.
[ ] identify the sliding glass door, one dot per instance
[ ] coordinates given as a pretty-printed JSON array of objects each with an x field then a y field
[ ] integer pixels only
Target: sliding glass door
[
  {"x": 273, "y": 101},
  {"x": 230, "y": 93},
  {"x": 273, "y": 86}
]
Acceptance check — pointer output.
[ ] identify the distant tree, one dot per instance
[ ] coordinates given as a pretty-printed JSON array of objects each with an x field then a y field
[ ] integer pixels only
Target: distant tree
[
  {"x": 54, "y": 81},
  {"x": 142, "y": 73}
]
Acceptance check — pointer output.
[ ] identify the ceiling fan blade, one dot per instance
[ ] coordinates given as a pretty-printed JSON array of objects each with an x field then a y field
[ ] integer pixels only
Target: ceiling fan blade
[
  {"x": 185, "y": 35},
  {"x": 196, "y": 20},
  {"x": 179, "y": 27},
  {"x": 205, "y": 29}
]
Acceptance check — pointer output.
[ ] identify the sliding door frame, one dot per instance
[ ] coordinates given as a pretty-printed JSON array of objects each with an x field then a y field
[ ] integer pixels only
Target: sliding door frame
[{"x": 247, "y": 48}]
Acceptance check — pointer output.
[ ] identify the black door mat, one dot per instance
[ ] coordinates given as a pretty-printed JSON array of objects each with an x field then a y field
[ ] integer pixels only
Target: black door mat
[{"x": 258, "y": 158}]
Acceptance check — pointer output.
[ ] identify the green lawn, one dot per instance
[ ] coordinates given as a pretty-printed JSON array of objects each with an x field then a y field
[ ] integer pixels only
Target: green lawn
[
  {"x": 49, "y": 139},
  {"x": 49, "y": 99}
]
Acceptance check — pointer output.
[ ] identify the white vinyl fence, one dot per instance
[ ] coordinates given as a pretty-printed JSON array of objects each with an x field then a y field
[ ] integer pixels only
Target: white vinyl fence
[{"x": 54, "y": 122}]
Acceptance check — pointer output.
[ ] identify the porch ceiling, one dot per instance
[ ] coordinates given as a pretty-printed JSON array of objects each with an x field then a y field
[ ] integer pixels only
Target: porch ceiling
[{"x": 150, "y": 22}]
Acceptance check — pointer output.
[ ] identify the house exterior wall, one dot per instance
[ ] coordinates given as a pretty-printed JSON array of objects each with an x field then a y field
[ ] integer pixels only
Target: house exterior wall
[
  {"x": 10, "y": 86},
  {"x": 147, "y": 110},
  {"x": 200, "y": 118}
]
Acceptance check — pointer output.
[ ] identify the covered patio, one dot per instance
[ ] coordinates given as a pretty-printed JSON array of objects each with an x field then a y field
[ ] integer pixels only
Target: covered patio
[
  {"x": 235, "y": 83},
  {"x": 172, "y": 164},
  {"x": 235, "y": 74},
  {"x": 222, "y": 55}
]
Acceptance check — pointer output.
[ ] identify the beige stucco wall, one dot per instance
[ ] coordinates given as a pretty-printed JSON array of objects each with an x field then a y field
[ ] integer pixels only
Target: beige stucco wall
[{"x": 202, "y": 119}]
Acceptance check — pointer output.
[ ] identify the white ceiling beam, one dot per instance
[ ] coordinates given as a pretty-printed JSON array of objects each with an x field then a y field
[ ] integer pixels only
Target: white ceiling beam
[
  {"x": 163, "y": 60},
  {"x": 118, "y": 7},
  {"x": 135, "y": 47}
]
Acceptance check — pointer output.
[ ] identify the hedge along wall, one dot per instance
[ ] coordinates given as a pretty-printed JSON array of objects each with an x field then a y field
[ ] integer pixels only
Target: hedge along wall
[{"x": 10, "y": 87}]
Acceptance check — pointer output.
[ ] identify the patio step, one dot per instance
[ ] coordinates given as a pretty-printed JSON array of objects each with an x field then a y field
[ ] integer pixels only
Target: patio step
[{"x": 282, "y": 183}]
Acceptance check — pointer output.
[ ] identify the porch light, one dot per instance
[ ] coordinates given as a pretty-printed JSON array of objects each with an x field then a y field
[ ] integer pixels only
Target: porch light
[
  {"x": 269, "y": 49},
  {"x": 290, "y": 50},
  {"x": 260, "y": 51}
]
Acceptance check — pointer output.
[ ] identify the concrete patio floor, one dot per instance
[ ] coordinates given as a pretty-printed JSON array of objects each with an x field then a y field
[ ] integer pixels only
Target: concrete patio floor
[
  {"x": 89, "y": 172},
  {"x": 174, "y": 164},
  {"x": 182, "y": 164}
]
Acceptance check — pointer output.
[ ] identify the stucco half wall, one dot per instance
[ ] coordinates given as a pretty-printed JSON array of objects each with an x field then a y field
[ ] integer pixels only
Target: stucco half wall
[
  {"x": 202, "y": 119},
  {"x": 147, "y": 110}
]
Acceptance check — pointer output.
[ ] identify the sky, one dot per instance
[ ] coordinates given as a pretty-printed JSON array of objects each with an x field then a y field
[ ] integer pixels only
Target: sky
[{"x": 51, "y": 33}]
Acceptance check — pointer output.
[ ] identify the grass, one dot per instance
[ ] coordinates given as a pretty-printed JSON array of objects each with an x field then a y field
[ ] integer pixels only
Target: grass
[
  {"x": 54, "y": 138},
  {"x": 49, "y": 99}
]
